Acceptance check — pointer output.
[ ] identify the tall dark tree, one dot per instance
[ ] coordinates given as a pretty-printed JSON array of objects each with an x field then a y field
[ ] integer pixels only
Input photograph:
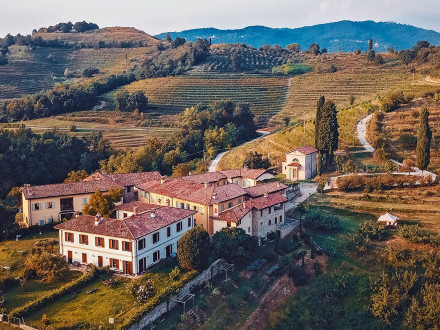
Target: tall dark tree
[
  {"x": 326, "y": 132},
  {"x": 424, "y": 137},
  {"x": 370, "y": 44}
]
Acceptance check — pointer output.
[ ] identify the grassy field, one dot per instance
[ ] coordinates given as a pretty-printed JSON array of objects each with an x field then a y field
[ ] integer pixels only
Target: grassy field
[
  {"x": 123, "y": 129},
  {"x": 30, "y": 71},
  {"x": 401, "y": 131},
  {"x": 174, "y": 94}
]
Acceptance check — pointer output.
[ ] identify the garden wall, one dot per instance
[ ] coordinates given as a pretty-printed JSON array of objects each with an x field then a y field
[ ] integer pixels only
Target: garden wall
[
  {"x": 287, "y": 229},
  {"x": 166, "y": 306}
]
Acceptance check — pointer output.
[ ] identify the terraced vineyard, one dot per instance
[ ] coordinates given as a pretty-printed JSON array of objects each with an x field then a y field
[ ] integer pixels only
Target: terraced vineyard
[
  {"x": 173, "y": 94},
  {"x": 124, "y": 130},
  {"x": 30, "y": 71}
]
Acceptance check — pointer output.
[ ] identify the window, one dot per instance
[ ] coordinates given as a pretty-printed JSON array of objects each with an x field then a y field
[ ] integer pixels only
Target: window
[
  {"x": 228, "y": 223},
  {"x": 230, "y": 204},
  {"x": 270, "y": 222},
  {"x": 50, "y": 205},
  {"x": 179, "y": 226},
  {"x": 68, "y": 237},
  {"x": 168, "y": 231},
  {"x": 113, "y": 244},
  {"x": 276, "y": 220},
  {"x": 37, "y": 206},
  {"x": 126, "y": 246},
  {"x": 141, "y": 192},
  {"x": 195, "y": 208},
  {"x": 177, "y": 204},
  {"x": 141, "y": 244},
  {"x": 99, "y": 241},
  {"x": 84, "y": 201},
  {"x": 222, "y": 207},
  {"x": 128, "y": 189},
  {"x": 261, "y": 213},
  {"x": 189, "y": 222},
  {"x": 142, "y": 265},
  {"x": 281, "y": 218},
  {"x": 239, "y": 223},
  {"x": 124, "y": 215},
  {"x": 156, "y": 237},
  {"x": 244, "y": 183},
  {"x": 202, "y": 210},
  {"x": 152, "y": 198},
  {"x": 83, "y": 239},
  {"x": 239, "y": 201},
  {"x": 249, "y": 229},
  {"x": 270, "y": 210},
  {"x": 156, "y": 256}
]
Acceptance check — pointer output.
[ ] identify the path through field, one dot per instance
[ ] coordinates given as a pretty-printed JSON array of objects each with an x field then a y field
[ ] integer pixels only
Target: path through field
[{"x": 213, "y": 166}]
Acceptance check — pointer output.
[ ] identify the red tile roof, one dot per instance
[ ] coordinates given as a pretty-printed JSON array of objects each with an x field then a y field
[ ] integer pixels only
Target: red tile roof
[
  {"x": 305, "y": 150},
  {"x": 263, "y": 202},
  {"x": 126, "y": 179},
  {"x": 261, "y": 189},
  {"x": 207, "y": 177},
  {"x": 140, "y": 207},
  {"x": 68, "y": 189},
  {"x": 245, "y": 173},
  {"x": 234, "y": 214},
  {"x": 133, "y": 227},
  {"x": 194, "y": 192}
]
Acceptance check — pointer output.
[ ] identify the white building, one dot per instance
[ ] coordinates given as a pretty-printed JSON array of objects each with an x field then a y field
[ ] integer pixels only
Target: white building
[
  {"x": 128, "y": 245},
  {"x": 388, "y": 219},
  {"x": 300, "y": 163}
]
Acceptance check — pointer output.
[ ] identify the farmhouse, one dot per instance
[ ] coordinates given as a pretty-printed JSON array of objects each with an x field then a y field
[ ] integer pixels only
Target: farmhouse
[
  {"x": 300, "y": 164},
  {"x": 129, "y": 245},
  {"x": 47, "y": 203}
]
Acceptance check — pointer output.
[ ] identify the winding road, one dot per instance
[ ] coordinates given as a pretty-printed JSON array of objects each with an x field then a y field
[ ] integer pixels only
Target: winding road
[{"x": 214, "y": 164}]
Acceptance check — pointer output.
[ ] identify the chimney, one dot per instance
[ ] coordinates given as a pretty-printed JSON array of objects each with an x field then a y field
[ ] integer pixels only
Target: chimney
[
  {"x": 245, "y": 168},
  {"x": 189, "y": 173},
  {"x": 244, "y": 204},
  {"x": 97, "y": 218},
  {"x": 266, "y": 195},
  {"x": 153, "y": 213},
  {"x": 206, "y": 184},
  {"x": 214, "y": 195},
  {"x": 162, "y": 179},
  {"x": 278, "y": 184},
  {"x": 135, "y": 210}
]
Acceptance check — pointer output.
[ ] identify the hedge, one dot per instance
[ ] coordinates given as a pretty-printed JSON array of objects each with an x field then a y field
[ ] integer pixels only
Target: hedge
[
  {"x": 379, "y": 182},
  {"x": 161, "y": 295},
  {"x": 34, "y": 305}
]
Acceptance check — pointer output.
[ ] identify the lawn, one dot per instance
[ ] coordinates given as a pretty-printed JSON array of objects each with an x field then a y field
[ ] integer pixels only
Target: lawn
[{"x": 92, "y": 309}]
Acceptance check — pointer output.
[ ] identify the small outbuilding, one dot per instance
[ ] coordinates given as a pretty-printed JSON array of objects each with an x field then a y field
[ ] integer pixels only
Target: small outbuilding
[
  {"x": 388, "y": 220},
  {"x": 300, "y": 164}
]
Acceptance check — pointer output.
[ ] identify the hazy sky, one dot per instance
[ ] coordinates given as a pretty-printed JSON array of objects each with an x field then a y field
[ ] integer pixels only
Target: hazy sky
[{"x": 155, "y": 16}]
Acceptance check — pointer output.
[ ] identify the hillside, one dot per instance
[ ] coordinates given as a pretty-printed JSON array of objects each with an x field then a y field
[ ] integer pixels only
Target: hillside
[
  {"x": 343, "y": 35},
  {"x": 107, "y": 35}
]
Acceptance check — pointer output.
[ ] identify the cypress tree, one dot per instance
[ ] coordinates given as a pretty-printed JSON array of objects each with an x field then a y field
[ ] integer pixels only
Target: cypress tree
[{"x": 424, "y": 137}]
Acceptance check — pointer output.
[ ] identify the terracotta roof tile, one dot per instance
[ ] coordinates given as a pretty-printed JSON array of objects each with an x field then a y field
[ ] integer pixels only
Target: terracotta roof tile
[
  {"x": 234, "y": 214},
  {"x": 67, "y": 189},
  {"x": 261, "y": 189},
  {"x": 129, "y": 228},
  {"x": 245, "y": 173},
  {"x": 207, "y": 177},
  {"x": 263, "y": 202},
  {"x": 140, "y": 207},
  {"x": 126, "y": 179},
  {"x": 295, "y": 164}
]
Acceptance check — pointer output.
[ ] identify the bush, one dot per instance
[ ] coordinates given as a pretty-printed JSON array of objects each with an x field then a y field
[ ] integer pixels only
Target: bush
[
  {"x": 194, "y": 249},
  {"x": 233, "y": 244},
  {"x": 175, "y": 273},
  {"x": 287, "y": 246},
  {"x": 90, "y": 72},
  {"x": 141, "y": 289},
  {"x": 317, "y": 220},
  {"x": 299, "y": 275},
  {"x": 49, "y": 268}
]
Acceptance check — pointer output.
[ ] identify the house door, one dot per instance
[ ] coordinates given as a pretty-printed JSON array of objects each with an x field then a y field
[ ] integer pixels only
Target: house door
[
  {"x": 294, "y": 174},
  {"x": 127, "y": 267},
  {"x": 69, "y": 257},
  {"x": 169, "y": 250},
  {"x": 84, "y": 258},
  {"x": 100, "y": 261}
]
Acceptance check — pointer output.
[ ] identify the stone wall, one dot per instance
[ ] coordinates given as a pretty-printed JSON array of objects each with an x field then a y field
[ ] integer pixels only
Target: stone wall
[
  {"x": 287, "y": 229},
  {"x": 166, "y": 306}
]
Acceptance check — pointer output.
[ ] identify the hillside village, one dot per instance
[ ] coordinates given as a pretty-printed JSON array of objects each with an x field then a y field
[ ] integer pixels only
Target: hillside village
[{"x": 178, "y": 182}]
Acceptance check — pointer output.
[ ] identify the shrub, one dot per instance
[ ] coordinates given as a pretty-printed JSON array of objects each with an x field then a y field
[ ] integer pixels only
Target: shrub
[
  {"x": 49, "y": 268},
  {"x": 287, "y": 246},
  {"x": 233, "y": 244},
  {"x": 318, "y": 268},
  {"x": 299, "y": 275},
  {"x": 317, "y": 220},
  {"x": 175, "y": 273},
  {"x": 194, "y": 249},
  {"x": 141, "y": 289}
]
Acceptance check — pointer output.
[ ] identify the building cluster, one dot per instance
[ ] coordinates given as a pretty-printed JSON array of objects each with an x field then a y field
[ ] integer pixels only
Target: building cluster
[{"x": 155, "y": 212}]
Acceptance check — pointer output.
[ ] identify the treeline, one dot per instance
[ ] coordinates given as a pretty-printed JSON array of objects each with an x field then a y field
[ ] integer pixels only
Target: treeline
[
  {"x": 204, "y": 130},
  {"x": 68, "y": 27},
  {"x": 126, "y": 101},
  {"x": 26, "y": 157},
  {"x": 63, "y": 98},
  {"x": 175, "y": 58}
]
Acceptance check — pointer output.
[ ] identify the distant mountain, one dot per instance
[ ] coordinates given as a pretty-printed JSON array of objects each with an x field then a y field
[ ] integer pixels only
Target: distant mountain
[{"x": 343, "y": 35}]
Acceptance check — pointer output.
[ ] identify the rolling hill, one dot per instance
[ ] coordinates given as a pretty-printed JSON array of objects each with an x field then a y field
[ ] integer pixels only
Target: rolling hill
[{"x": 343, "y": 35}]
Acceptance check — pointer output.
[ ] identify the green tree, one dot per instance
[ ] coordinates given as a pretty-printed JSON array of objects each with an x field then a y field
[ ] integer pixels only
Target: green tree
[
  {"x": 314, "y": 49},
  {"x": 194, "y": 249},
  {"x": 233, "y": 244},
  {"x": 256, "y": 160},
  {"x": 370, "y": 44},
  {"x": 103, "y": 203},
  {"x": 76, "y": 176},
  {"x": 371, "y": 55},
  {"x": 424, "y": 137},
  {"x": 294, "y": 48},
  {"x": 45, "y": 266}
]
